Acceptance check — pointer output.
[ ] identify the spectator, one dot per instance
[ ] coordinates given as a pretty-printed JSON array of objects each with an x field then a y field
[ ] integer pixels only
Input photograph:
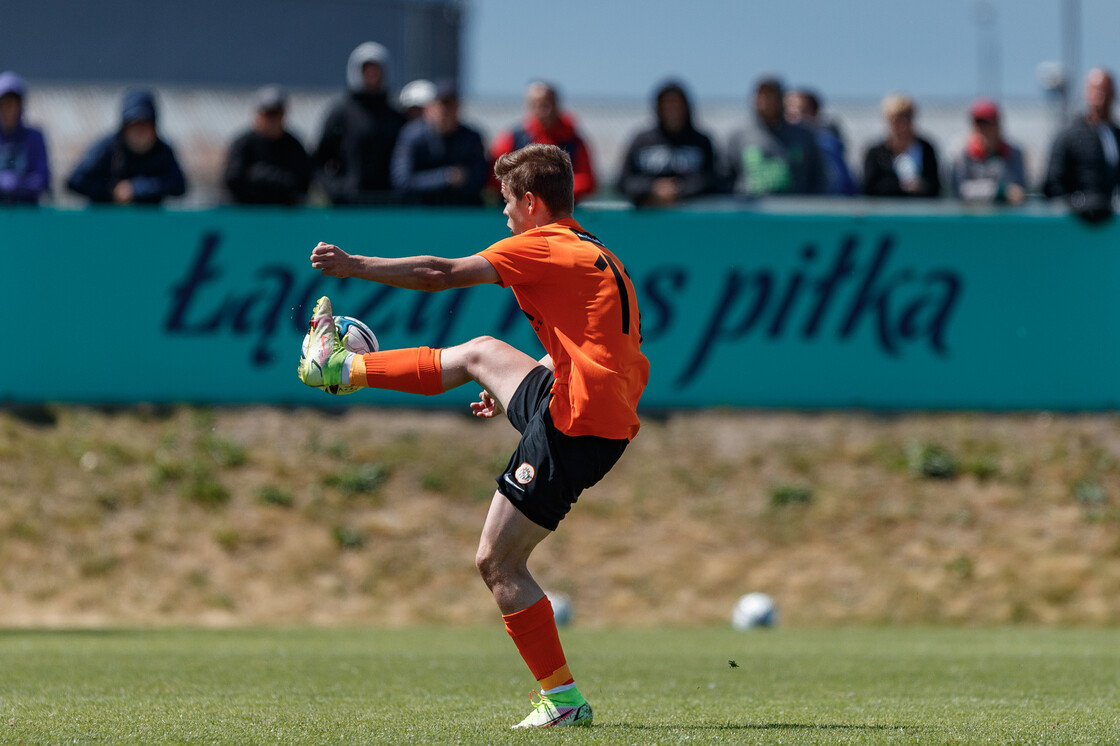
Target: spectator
[
  {"x": 988, "y": 169},
  {"x": 438, "y": 159},
  {"x": 132, "y": 165},
  {"x": 803, "y": 107},
  {"x": 545, "y": 123},
  {"x": 415, "y": 96},
  {"x": 24, "y": 170},
  {"x": 672, "y": 161},
  {"x": 359, "y": 133},
  {"x": 267, "y": 165},
  {"x": 771, "y": 155},
  {"x": 902, "y": 165},
  {"x": 1085, "y": 158}
]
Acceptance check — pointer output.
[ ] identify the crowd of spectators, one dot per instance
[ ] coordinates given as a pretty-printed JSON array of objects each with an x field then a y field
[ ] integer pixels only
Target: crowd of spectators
[{"x": 415, "y": 149}]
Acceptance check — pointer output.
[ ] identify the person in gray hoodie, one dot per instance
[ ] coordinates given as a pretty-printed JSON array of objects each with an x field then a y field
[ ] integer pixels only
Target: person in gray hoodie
[
  {"x": 132, "y": 165},
  {"x": 772, "y": 155},
  {"x": 355, "y": 150}
]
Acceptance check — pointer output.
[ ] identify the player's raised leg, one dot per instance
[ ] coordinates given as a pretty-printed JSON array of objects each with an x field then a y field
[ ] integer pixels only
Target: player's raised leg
[
  {"x": 508, "y": 538},
  {"x": 495, "y": 365}
]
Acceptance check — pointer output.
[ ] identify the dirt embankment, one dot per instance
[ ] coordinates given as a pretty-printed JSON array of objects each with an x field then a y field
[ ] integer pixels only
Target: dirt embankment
[{"x": 269, "y": 516}]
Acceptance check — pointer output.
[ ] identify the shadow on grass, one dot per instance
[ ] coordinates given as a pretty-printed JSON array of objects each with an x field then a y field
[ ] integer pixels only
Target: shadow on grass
[
  {"x": 730, "y": 727},
  {"x": 826, "y": 726}
]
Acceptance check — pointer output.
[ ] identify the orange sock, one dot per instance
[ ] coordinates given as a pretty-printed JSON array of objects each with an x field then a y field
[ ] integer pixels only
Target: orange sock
[
  {"x": 534, "y": 633},
  {"x": 413, "y": 370}
]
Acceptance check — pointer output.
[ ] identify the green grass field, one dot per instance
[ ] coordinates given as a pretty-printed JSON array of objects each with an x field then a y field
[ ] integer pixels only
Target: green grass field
[{"x": 438, "y": 685}]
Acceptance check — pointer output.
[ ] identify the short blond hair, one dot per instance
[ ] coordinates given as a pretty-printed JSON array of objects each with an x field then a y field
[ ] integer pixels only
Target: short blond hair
[{"x": 897, "y": 104}]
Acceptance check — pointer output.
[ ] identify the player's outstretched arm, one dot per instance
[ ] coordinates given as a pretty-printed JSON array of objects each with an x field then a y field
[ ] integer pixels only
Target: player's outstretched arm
[{"x": 428, "y": 273}]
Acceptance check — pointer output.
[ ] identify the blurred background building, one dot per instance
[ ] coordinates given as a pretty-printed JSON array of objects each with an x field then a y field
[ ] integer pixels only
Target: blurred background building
[{"x": 206, "y": 43}]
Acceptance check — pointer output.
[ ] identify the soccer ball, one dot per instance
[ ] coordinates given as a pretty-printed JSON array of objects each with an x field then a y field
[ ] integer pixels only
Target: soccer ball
[
  {"x": 356, "y": 337},
  {"x": 561, "y": 608},
  {"x": 754, "y": 610}
]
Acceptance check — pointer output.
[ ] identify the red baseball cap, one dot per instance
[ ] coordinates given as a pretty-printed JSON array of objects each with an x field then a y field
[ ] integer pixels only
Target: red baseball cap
[{"x": 984, "y": 110}]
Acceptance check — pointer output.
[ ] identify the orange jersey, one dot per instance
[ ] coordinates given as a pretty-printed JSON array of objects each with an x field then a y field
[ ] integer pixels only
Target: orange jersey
[{"x": 584, "y": 310}]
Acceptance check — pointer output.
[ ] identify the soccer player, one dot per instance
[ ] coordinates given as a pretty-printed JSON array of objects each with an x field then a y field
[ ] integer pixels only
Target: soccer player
[{"x": 576, "y": 408}]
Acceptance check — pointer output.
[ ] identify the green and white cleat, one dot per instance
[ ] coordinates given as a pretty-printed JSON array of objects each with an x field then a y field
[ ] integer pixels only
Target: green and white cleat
[
  {"x": 549, "y": 712},
  {"x": 321, "y": 366}
]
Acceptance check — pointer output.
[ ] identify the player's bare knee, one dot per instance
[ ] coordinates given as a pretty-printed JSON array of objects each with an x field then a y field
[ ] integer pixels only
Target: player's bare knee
[
  {"x": 480, "y": 348},
  {"x": 478, "y": 353},
  {"x": 487, "y": 566}
]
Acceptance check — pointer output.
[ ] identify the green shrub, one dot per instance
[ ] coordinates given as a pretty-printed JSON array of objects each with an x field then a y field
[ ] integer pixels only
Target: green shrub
[
  {"x": 270, "y": 495},
  {"x": 932, "y": 461},
  {"x": 1093, "y": 498},
  {"x": 224, "y": 452},
  {"x": 228, "y": 538},
  {"x": 204, "y": 488},
  {"x": 358, "y": 480},
  {"x": 349, "y": 538},
  {"x": 784, "y": 495},
  {"x": 1090, "y": 493}
]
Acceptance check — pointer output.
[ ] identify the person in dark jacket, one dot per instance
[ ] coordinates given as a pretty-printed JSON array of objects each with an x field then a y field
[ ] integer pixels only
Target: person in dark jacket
[
  {"x": 267, "y": 165},
  {"x": 771, "y": 155},
  {"x": 359, "y": 134},
  {"x": 672, "y": 161},
  {"x": 438, "y": 159},
  {"x": 903, "y": 164},
  {"x": 132, "y": 165},
  {"x": 803, "y": 106},
  {"x": 24, "y": 170},
  {"x": 1084, "y": 163}
]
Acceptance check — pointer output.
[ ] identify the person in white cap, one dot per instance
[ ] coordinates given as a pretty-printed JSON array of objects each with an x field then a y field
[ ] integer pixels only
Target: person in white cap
[
  {"x": 439, "y": 160},
  {"x": 356, "y": 145},
  {"x": 415, "y": 96}
]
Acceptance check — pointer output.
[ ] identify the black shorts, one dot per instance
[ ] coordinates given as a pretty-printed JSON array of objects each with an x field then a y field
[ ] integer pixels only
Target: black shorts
[{"x": 549, "y": 469}]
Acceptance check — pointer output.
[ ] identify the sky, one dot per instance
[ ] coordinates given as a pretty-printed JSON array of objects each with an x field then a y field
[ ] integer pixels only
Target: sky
[{"x": 847, "y": 49}]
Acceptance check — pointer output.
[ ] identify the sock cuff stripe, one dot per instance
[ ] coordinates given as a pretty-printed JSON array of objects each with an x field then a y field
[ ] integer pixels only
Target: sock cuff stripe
[
  {"x": 529, "y": 619},
  {"x": 430, "y": 372}
]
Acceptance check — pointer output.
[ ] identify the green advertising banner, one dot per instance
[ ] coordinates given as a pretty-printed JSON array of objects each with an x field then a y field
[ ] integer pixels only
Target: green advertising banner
[{"x": 996, "y": 311}]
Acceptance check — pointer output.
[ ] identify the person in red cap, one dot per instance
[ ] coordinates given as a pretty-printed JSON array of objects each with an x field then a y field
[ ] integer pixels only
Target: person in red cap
[{"x": 988, "y": 169}]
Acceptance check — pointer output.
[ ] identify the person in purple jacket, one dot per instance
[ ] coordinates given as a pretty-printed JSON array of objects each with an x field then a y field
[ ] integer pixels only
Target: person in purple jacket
[
  {"x": 24, "y": 170},
  {"x": 132, "y": 165}
]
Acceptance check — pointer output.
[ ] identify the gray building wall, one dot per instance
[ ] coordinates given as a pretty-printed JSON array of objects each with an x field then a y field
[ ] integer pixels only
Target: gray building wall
[{"x": 298, "y": 43}]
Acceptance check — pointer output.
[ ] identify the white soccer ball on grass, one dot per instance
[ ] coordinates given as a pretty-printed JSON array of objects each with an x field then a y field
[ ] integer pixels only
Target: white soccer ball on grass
[
  {"x": 562, "y": 609},
  {"x": 754, "y": 610}
]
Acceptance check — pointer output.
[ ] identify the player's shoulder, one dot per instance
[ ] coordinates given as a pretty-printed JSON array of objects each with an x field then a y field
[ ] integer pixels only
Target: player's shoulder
[
  {"x": 563, "y": 228},
  {"x": 565, "y": 231},
  {"x": 528, "y": 242}
]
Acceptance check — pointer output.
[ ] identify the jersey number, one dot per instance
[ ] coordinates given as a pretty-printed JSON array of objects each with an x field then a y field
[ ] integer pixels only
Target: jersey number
[{"x": 601, "y": 264}]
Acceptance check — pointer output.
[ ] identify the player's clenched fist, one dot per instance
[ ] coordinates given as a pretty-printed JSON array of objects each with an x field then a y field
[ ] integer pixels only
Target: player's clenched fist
[{"x": 330, "y": 260}]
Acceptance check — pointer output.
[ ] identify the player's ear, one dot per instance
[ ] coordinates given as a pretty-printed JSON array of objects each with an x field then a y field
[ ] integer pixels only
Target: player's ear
[{"x": 531, "y": 202}]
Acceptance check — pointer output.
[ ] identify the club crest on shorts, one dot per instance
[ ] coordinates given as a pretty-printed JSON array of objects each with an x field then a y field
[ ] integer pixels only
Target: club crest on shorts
[{"x": 524, "y": 473}]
